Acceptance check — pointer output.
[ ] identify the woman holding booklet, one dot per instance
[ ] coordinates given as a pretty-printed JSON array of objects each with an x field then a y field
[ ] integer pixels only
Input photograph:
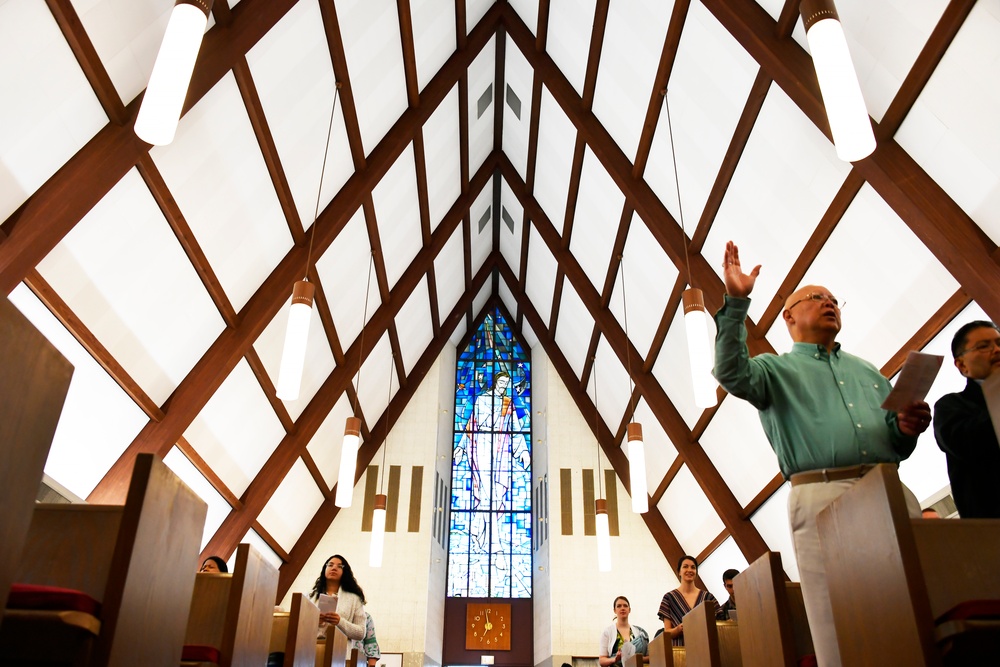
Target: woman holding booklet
[{"x": 340, "y": 599}]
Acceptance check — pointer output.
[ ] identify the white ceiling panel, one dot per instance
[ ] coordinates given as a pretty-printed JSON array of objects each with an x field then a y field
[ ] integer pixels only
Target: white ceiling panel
[
  {"x": 952, "y": 131},
  {"x": 771, "y": 521},
  {"x": 574, "y": 328},
  {"x": 398, "y": 214},
  {"x": 516, "y": 108},
  {"x": 56, "y": 111},
  {"x": 343, "y": 270},
  {"x": 262, "y": 547},
  {"x": 527, "y": 11},
  {"x": 98, "y": 419},
  {"x": 433, "y": 36},
  {"x": 319, "y": 356},
  {"x": 237, "y": 430},
  {"x": 510, "y": 241},
  {"x": 649, "y": 279},
  {"x": 326, "y": 444},
  {"x": 688, "y": 513},
  {"x": 571, "y": 23},
  {"x": 540, "y": 278},
  {"x": 126, "y": 36},
  {"x": 480, "y": 301},
  {"x": 786, "y": 180},
  {"x": 748, "y": 467},
  {"x": 441, "y": 157},
  {"x": 482, "y": 87},
  {"x": 673, "y": 370},
  {"x": 370, "y": 32},
  {"x": 482, "y": 236},
  {"x": 508, "y": 300},
  {"x": 727, "y": 555},
  {"x": 457, "y": 336},
  {"x": 556, "y": 141},
  {"x": 633, "y": 41},
  {"x": 298, "y": 107},
  {"x": 413, "y": 325},
  {"x": 292, "y": 506},
  {"x": 595, "y": 225},
  {"x": 912, "y": 284},
  {"x": 530, "y": 339},
  {"x": 449, "y": 274},
  {"x": 474, "y": 11},
  {"x": 216, "y": 173},
  {"x": 660, "y": 451},
  {"x": 615, "y": 388},
  {"x": 218, "y": 508},
  {"x": 709, "y": 83},
  {"x": 123, "y": 273},
  {"x": 376, "y": 372}
]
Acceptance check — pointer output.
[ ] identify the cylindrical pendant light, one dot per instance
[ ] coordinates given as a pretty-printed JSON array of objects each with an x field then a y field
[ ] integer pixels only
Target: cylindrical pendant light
[
  {"x": 637, "y": 469},
  {"x": 293, "y": 355},
  {"x": 163, "y": 101},
  {"x": 378, "y": 531},
  {"x": 699, "y": 351},
  {"x": 603, "y": 535},
  {"x": 838, "y": 81},
  {"x": 348, "y": 462}
]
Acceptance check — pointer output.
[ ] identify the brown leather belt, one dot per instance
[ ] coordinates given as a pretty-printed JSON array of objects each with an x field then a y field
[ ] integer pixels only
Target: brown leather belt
[{"x": 831, "y": 474}]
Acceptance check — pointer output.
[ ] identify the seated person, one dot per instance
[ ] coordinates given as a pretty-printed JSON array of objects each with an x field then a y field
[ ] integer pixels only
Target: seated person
[
  {"x": 619, "y": 633},
  {"x": 680, "y": 601},
  {"x": 368, "y": 647},
  {"x": 214, "y": 565},
  {"x": 730, "y": 604}
]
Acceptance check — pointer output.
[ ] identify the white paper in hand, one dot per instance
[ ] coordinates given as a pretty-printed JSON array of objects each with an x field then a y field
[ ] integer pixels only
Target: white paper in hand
[
  {"x": 914, "y": 380},
  {"x": 327, "y": 603},
  {"x": 628, "y": 650}
]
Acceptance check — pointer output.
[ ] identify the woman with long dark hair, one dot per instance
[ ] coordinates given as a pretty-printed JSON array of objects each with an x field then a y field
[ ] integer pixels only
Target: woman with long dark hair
[
  {"x": 337, "y": 578},
  {"x": 682, "y": 600}
]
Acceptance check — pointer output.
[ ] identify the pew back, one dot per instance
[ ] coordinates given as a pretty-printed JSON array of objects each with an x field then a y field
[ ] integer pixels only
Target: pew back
[
  {"x": 701, "y": 638},
  {"x": 773, "y": 629},
  {"x": 294, "y": 632}
]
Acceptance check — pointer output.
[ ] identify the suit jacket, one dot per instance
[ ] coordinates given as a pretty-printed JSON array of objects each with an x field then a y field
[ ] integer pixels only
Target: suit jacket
[{"x": 964, "y": 431}]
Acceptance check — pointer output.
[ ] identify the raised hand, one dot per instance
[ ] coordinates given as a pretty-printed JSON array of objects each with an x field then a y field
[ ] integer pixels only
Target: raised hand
[{"x": 738, "y": 284}]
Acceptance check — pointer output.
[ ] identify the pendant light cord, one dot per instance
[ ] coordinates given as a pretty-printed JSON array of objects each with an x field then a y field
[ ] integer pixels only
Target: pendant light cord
[
  {"x": 322, "y": 175},
  {"x": 597, "y": 417},
  {"x": 677, "y": 185},
  {"x": 385, "y": 445},
  {"x": 628, "y": 356},
  {"x": 364, "y": 323}
]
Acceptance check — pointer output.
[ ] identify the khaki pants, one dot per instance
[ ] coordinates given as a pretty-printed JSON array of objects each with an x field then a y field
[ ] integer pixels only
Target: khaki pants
[{"x": 804, "y": 502}]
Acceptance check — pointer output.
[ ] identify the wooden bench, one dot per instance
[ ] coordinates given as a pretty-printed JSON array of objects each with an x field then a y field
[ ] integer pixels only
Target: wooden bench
[
  {"x": 892, "y": 577},
  {"x": 338, "y": 655},
  {"x": 33, "y": 386},
  {"x": 231, "y": 614},
  {"x": 710, "y": 643},
  {"x": 773, "y": 628},
  {"x": 135, "y": 562},
  {"x": 293, "y": 633},
  {"x": 663, "y": 654}
]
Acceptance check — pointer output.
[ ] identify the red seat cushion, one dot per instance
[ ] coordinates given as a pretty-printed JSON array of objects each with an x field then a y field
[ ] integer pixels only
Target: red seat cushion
[
  {"x": 970, "y": 609},
  {"x": 199, "y": 653},
  {"x": 51, "y": 598},
  {"x": 808, "y": 661}
]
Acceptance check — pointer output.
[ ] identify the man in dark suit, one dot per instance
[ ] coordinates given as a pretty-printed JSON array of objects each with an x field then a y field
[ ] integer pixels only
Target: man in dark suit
[{"x": 962, "y": 424}]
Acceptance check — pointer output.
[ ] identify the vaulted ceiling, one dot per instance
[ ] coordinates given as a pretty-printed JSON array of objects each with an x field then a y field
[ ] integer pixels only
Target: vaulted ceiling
[{"x": 513, "y": 153}]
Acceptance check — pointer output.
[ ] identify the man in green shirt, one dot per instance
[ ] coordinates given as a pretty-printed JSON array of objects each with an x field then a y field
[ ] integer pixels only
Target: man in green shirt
[{"x": 820, "y": 408}]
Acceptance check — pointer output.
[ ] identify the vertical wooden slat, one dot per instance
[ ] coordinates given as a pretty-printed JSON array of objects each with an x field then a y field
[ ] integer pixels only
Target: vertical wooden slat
[
  {"x": 371, "y": 488},
  {"x": 416, "y": 493},
  {"x": 589, "y": 520},
  {"x": 392, "y": 506},
  {"x": 611, "y": 494},
  {"x": 566, "y": 500}
]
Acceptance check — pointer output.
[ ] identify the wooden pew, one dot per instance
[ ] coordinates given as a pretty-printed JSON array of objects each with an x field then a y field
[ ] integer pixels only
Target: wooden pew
[
  {"x": 891, "y": 576},
  {"x": 773, "y": 628},
  {"x": 337, "y": 656},
  {"x": 294, "y": 632},
  {"x": 33, "y": 386},
  {"x": 663, "y": 654},
  {"x": 710, "y": 643},
  {"x": 137, "y": 561},
  {"x": 232, "y": 614}
]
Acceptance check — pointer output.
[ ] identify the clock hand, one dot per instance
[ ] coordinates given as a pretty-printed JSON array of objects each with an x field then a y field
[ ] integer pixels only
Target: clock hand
[{"x": 489, "y": 626}]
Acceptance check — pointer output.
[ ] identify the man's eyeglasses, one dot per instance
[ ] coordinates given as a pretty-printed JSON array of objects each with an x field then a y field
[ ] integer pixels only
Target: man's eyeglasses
[
  {"x": 982, "y": 346},
  {"x": 818, "y": 296}
]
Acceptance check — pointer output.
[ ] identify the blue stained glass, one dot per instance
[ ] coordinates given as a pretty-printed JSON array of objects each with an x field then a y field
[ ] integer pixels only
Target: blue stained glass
[{"x": 491, "y": 465}]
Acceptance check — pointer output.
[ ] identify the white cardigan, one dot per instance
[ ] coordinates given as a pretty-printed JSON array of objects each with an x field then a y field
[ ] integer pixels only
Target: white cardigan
[{"x": 352, "y": 616}]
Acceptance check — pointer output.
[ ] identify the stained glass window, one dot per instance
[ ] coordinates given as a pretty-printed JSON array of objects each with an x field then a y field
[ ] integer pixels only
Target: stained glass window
[{"x": 489, "y": 550}]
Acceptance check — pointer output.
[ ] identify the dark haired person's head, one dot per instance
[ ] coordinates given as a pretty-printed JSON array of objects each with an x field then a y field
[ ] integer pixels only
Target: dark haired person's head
[
  {"x": 961, "y": 336},
  {"x": 687, "y": 570},
  {"x": 337, "y": 570},
  {"x": 685, "y": 557},
  {"x": 727, "y": 581},
  {"x": 214, "y": 564},
  {"x": 976, "y": 348}
]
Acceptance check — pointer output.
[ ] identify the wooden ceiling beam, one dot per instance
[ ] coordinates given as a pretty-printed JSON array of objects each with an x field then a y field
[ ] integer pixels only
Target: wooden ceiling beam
[
  {"x": 327, "y": 512},
  {"x": 701, "y": 466},
  {"x": 222, "y": 356},
  {"x": 930, "y": 213},
  {"x": 42, "y": 221}
]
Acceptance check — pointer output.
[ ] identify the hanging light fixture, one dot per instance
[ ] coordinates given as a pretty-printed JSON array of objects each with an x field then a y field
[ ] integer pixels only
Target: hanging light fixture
[
  {"x": 695, "y": 315},
  {"x": 352, "y": 429},
  {"x": 163, "y": 101},
  {"x": 293, "y": 354},
  {"x": 838, "y": 81},
  {"x": 636, "y": 450},
  {"x": 600, "y": 504},
  {"x": 381, "y": 499}
]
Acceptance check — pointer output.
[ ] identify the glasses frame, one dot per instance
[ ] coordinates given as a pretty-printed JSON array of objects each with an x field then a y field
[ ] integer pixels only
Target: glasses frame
[
  {"x": 818, "y": 296},
  {"x": 981, "y": 346}
]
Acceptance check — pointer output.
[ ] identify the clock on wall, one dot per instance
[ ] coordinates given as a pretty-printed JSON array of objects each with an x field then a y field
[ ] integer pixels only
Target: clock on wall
[{"x": 487, "y": 626}]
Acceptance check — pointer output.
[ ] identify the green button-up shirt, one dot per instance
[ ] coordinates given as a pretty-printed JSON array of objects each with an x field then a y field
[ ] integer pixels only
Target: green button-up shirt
[{"x": 819, "y": 409}]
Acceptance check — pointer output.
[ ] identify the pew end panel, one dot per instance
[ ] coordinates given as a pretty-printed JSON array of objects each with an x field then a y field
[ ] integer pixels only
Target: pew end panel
[
  {"x": 332, "y": 652},
  {"x": 661, "y": 653},
  {"x": 32, "y": 394},
  {"x": 701, "y": 637},
  {"x": 773, "y": 629},
  {"x": 294, "y": 632}
]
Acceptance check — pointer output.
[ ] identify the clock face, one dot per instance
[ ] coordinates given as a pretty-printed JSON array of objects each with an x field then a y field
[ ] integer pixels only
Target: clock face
[{"x": 487, "y": 627}]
